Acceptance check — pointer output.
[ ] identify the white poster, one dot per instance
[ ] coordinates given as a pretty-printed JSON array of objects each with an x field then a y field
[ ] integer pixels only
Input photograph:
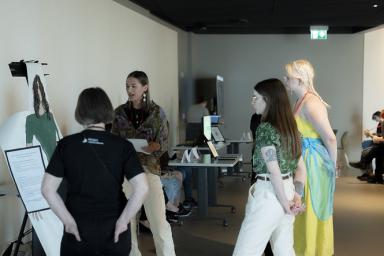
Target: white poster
[{"x": 27, "y": 168}]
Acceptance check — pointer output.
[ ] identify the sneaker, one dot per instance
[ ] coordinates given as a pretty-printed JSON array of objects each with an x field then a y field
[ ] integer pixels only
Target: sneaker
[
  {"x": 373, "y": 180},
  {"x": 190, "y": 203},
  {"x": 363, "y": 177},
  {"x": 183, "y": 212},
  {"x": 171, "y": 217}
]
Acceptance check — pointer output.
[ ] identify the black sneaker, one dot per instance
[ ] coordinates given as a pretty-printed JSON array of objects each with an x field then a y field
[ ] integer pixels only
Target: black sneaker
[
  {"x": 171, "y": 217},
  {"x": 373, "y": 180},
  {"x": 190, "y": 203},
  {"x": 183, "y": 212},
  {"x": 364, "y": 177}
]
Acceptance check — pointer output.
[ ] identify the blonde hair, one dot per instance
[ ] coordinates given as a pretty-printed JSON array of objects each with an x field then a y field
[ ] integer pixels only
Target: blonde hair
[{"x": 303, "y": 70}]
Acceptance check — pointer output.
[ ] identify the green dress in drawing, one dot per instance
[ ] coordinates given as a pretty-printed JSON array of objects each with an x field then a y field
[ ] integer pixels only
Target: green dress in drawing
[{"x": 45, "y": 131}]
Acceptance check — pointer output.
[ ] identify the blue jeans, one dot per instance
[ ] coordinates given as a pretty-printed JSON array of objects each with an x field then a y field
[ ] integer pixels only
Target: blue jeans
[
  {"x": 172, "y": 187},
  {"x": 187, "y": 181}
]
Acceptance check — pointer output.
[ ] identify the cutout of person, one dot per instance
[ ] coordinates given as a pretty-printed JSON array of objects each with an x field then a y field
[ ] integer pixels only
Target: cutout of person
[
  {"x": 20, "y": 130},
  {"x": 41, "y": 124}
]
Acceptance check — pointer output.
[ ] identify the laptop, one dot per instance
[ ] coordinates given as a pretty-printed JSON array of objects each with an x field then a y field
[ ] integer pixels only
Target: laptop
[{"x": 213, "y": 131}]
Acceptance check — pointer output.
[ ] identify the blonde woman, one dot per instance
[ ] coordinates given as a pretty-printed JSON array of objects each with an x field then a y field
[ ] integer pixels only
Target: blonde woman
[{"x": 313, "y": 231}]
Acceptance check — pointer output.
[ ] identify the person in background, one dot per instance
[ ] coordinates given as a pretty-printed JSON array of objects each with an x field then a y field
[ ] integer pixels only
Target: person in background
[
  {"x": 197, "y": 111},
  {"x": 370, "y": 149},
  {"x": 255, "y": 122},
  {"x": 172, "y": 180},
  {"x": 142, "y": 118},
  {"x": 314, "y": 228},
  {"x": 276, "y": 196},
  {"x": 96, "y": 214}
]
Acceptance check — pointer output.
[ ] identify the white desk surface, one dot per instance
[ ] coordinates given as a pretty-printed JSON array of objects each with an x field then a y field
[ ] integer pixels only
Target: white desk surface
[
  {"x": 218, "y": 146},
  {"x": 238, "y": 141},
  {"x": 207, "y": 161}
]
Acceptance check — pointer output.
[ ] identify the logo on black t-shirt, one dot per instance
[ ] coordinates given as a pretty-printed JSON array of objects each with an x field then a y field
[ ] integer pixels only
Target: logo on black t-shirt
[{"x": 92, "y": 141}]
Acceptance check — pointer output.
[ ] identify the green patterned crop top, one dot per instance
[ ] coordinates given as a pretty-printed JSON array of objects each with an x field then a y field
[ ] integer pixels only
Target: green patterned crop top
[{"x": 267, "y": 135}]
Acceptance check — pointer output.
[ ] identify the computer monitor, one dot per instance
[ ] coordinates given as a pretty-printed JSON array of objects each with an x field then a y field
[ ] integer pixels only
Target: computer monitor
[
  {"x": 215, "y": 120},
  {"x": 207, "y": 131}
]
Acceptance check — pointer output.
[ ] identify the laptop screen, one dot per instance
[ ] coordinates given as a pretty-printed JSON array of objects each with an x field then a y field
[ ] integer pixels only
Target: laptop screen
[
  {"x": 217, "y": 135},
  {"x": 215, "y": 120}
]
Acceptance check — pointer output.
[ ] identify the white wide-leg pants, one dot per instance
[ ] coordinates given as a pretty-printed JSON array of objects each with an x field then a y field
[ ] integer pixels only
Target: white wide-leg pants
[
  {"x": 154, "y": 206},
  {"x": 265, "y": 221}
]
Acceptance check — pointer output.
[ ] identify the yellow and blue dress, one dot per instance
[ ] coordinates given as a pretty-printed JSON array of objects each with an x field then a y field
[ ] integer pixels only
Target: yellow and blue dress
[{"x": 313, "y": 230}]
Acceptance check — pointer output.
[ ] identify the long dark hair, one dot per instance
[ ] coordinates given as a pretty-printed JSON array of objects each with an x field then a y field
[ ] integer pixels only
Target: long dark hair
[
  {"x": 279, "y": 114},
  {"x": 143, "y": 79},
  {"x": 38, "y": 85}
]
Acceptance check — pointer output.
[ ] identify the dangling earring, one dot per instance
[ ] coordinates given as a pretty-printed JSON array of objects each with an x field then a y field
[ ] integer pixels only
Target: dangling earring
[{"x": 144, "y": 97}]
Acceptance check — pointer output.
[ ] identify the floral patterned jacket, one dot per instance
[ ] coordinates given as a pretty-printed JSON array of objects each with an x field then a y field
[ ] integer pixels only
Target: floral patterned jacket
[{"x": 154, "y": 128}]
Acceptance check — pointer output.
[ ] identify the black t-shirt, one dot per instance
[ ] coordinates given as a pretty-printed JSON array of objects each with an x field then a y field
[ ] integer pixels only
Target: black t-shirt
[{"x": 94, "y": 163}]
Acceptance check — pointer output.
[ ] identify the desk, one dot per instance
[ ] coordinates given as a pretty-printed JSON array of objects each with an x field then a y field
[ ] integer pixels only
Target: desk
[
  {"x": 206, "y": 198},
  {"x": 218, "y": 147},
  {"x": 233, "y": 145}
]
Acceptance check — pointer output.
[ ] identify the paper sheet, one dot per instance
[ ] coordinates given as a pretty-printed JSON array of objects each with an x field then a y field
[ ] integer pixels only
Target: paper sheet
[
  {"x": 138, "y": 144},
  {"x": 27, "y": 168}
]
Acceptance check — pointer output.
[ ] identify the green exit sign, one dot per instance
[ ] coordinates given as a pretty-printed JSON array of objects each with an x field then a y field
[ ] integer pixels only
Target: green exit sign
[
  {"x": 319, "y": 35},
  {"x": 319, "y": 32}
]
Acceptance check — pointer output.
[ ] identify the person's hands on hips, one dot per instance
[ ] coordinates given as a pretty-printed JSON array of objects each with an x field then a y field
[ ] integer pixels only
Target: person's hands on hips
[
  {"x": 71, "y": 228},
  {"x": 121, "y": 226}
]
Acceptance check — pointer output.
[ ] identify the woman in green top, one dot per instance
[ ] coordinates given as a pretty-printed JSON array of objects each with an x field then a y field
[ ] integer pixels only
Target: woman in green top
[{"x": 276, "y": 196}]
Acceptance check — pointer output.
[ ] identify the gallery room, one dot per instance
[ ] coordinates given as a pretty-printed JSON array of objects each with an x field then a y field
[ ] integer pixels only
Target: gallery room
[{"x": 187, "y": 85}]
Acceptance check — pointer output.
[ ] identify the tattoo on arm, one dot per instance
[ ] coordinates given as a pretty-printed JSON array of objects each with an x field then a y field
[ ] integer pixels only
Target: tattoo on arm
[
  {"x": 299, "y": 188},
  {"x": 270, "y": 155}
]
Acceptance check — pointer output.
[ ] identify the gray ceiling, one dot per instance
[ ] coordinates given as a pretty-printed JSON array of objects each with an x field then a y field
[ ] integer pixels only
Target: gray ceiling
[{"x": 267, "y": 16}]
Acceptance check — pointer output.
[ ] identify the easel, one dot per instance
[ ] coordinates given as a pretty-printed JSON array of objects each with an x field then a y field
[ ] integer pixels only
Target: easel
[
  {"x": 22, "y": 234},
  {"x": 19, "y": 69}
]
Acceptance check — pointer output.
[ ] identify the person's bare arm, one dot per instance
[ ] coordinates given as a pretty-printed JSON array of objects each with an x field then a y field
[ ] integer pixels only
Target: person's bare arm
[
  {"x": 299, "y": 182},
  {"x": 316, "y": 113},
  {"x": 49, "y": 188},
  {"x": 140, "y": 189},
  {"x": 270, "y": 158}
]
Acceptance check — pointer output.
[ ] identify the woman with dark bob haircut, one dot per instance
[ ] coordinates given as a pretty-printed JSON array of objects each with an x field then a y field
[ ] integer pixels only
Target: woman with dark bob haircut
[
  {"x": 94, "y": 162},
  {"x": 275, "y": 197}
]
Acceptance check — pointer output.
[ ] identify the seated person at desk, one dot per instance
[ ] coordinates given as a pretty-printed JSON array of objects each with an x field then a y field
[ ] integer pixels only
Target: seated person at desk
[
  {"x": 370, "y": 148},
  {"x": 193, "y": 133},
  {"x": 172, "y": 181},
  {"x": 194, "y": 115}
]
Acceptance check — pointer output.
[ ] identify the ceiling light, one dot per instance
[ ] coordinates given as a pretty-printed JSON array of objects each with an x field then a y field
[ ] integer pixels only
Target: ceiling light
[
  {"x": 318, "y": 32},
  {"x": 375, "y": 5}
]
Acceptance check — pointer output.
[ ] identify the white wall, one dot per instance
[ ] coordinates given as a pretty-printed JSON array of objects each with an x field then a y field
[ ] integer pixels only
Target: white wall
[
  {"x": 86, "y": 43},
  {"x": 373, "y": 89},
  {"x": 244, "y": 60}
]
